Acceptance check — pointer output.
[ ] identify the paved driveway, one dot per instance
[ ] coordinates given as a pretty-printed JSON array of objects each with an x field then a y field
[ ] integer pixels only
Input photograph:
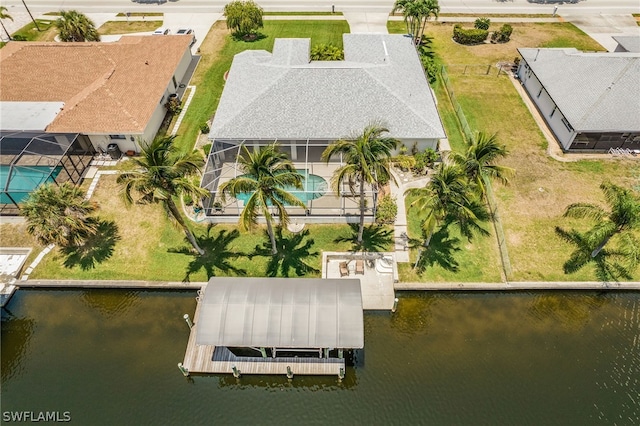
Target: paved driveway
[{"x": 602, "y": 27}]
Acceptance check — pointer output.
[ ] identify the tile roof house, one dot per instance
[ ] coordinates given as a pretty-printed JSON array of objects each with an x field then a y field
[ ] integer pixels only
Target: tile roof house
[
  {"x": 591, "y": 101},
  {"x": 305, "y": 105},
  {"x": 62, "y": 102},
  {"x": 116, "y": 89}
]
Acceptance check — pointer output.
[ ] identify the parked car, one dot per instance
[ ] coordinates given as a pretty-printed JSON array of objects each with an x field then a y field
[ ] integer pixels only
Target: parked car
[
  {"x": 186, "y": 31},
  {"x": 162, "y": 31}
]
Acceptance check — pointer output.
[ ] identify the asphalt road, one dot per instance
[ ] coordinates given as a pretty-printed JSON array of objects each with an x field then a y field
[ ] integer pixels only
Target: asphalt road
[{"x": 448, "y": 6}]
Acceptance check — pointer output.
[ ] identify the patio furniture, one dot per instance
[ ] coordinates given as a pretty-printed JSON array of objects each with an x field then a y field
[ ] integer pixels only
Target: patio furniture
[
  {"x": 360, "y": 267},
  {"x": 344, "y": 270}
]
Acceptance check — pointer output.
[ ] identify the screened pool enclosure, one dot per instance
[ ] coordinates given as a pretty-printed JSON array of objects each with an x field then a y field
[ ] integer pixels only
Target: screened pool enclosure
[
  {"x": 28, "y": 160},
  {"x": 321, "y": 201}
]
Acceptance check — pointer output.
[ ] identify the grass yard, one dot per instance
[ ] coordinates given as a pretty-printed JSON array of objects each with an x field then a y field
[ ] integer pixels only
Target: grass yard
[
  {"x": 47, "y": 32},
  {"x": 217, "y": 52},
  {"x": 143, "y": 14},
  {"x": 141, "y": 244},
  {"x": 123, "y": 27},
  {"x": 532, "y": 206}
]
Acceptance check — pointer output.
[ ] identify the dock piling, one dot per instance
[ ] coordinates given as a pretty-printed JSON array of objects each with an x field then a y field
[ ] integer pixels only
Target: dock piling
[
  {"x": 236, "y": 372},
  {"x": 188, "y": 320},
  {"x": 395, "y": 305},
  {"x": 183, "y": 369}
]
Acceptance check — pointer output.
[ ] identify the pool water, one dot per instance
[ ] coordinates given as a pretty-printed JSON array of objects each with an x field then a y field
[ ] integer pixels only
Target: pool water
[
  {"x": 315, "y": 187},
  {"x": 24, "y": 180}
]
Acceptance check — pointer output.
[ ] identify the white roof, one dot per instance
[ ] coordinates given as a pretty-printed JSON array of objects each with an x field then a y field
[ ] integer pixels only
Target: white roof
[
  {"x": 594, "y": 91},
  {"x": 28, "y": 116},
  {"x": 283, "y": 95},
  {"x": 282, "y": 313}
]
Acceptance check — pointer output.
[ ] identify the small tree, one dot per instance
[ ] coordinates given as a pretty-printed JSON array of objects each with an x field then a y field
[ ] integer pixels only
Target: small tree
[
  {"x": 243, "y": 17},
  {"x": 59, "y": 215},
  {"x": 74, "y": 26}
]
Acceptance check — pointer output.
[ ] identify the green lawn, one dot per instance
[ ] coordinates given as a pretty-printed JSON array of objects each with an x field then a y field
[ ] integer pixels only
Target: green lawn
[
  {"x": 141, "y": 244},
  {"x": 30, "y": 33},
  {"x": 220, "y": 48},
  {"x": 123, "y": 27}
]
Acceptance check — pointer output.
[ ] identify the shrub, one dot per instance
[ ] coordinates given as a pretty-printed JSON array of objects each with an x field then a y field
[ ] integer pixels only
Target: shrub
[
  {"x": 430, "y": 68},
  {"x": 469, "y": 36},
  {"x": 482, "y": 23},
  {"x": 204, "y": 128},
  {"x": 503, "y": 35},
  {"x": 188, "y": 199},
  {"x": 173, "y": 105},
  {"x": 207, "y": 149},
  {"x": 326, "y": 52},
  {"x": 404, "y": 162},
  {"x": 19, "y": 37},
  {"x": 387, "y": 210}
]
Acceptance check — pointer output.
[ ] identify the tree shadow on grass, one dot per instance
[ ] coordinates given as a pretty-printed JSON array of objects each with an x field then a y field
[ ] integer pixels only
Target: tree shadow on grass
[
  {"x": 96, "y": 249},
  {"x": 217, "y": 254},
  {"x": 607, "y": 268},
  {"x": 375, "y": 238},
  {"x": 440, "y": 251},
  {"x": 291, "y": 256},
  {"x": 248, "y": 38}
]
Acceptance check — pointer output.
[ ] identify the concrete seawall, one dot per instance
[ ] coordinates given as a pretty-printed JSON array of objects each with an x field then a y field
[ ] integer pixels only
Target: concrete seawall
[
  {"x": 519, "y": 285},
  {"x": 169, "y": 285}
]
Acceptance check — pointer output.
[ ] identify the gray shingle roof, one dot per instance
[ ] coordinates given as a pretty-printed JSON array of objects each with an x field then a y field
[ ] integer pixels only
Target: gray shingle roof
[
  {"x": 594, "y": 91},
  {"x": 631, "y": 43},
  {"x": 285, "y": 96}
]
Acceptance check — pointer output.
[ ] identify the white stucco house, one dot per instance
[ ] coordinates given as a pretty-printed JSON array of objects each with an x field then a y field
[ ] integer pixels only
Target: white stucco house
[
  {"x": 305, "y": 105},
  {"x": 591, "y": 101}
]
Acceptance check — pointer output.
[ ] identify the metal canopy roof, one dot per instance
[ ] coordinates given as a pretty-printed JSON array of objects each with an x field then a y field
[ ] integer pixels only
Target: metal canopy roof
[{"x": 282, "y": 313}]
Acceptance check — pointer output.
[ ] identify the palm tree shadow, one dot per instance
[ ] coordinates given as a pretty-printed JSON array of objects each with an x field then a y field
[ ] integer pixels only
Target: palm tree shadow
[
  {"x": 375, "y": 238},
  {"x": 217, "y": 254},
  {"x": 606, "y": 266},
  {"x": 291, "y": 256},
  {"x": 440, "y": 251},
  {"x": 96, "y": 249}
]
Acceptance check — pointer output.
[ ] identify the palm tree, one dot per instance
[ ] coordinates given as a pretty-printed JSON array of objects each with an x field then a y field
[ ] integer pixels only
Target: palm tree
[
  {"x": 267, "y": 175},
  {"x": 447, "y": 198},
  {"x": 59, "y": 215},
  {"x": 367, "y": 161},
  {"x": 74, "y": 26},
  {"x": 416, "y": 13},
  {"x": 622, "y": 217},
  {"x": 163, "y": 172},
  {"x": 5, "y": 15},
  {"x": 479, "y": 161}
]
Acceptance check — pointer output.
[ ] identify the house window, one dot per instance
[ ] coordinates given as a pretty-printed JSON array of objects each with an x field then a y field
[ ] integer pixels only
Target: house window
[
  {"x": 539, "y": 93},
  {"x": 553, "y": 111},
  {"x": 175, "y": 83},
  {"x": 567, "y": 125},
  {"x": 162, "y": 100},
  {"x": 117, "y": 137}
]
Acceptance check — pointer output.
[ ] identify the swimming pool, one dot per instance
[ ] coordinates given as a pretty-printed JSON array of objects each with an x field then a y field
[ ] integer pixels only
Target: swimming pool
[
  {"x": 23, "y": 180},
  {"x": 314, "y": 187}
]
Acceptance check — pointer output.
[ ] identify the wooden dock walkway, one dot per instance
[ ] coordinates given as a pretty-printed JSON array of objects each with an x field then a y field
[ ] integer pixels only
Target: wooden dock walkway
[{"x": 206, "y": 359}]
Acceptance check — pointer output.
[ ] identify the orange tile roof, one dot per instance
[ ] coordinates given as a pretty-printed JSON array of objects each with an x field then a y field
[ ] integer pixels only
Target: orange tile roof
[{"x": 106, "y": 87}]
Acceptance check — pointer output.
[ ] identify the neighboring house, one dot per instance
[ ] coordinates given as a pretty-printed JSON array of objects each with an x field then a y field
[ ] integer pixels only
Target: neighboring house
[
  {"x": 591, "y": 101},
  {"x": 305, "y": 105},
  {"x": 62, "y": 102},
  {"x": 628, "y": 43}
]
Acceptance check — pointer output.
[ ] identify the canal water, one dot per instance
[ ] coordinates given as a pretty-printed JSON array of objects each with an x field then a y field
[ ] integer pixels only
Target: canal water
[{"x": 110, "y": 357}]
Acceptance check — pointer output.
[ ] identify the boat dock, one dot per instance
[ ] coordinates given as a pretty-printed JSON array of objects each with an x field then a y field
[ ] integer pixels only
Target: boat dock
[
  {"x": 6, "y": 291},
  {"x": 206, "y": 359}
]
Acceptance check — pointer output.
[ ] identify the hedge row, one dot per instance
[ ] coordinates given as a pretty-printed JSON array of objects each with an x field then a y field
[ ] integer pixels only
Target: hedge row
[{"x": 469, "y": 36}]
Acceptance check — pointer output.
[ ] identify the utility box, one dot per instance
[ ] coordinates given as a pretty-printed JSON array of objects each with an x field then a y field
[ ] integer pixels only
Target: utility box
[{"x": 114, "y": 151}]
